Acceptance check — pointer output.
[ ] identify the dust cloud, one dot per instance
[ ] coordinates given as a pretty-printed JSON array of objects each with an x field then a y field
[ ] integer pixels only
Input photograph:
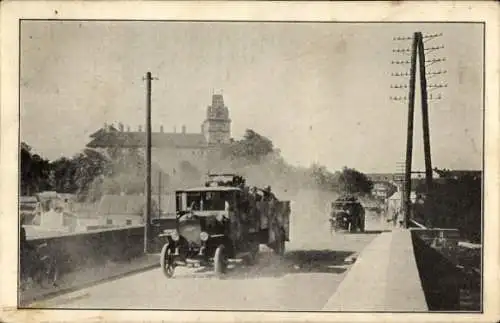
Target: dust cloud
[{"x": 291, "y": 183}]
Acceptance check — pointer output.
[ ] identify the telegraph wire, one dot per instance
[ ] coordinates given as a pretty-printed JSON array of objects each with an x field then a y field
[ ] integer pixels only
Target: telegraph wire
[{"x": 405, "y": 74}]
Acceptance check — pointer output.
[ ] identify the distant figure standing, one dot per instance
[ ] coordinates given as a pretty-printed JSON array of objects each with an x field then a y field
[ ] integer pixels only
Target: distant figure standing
[{"x": 394, "y": 212}]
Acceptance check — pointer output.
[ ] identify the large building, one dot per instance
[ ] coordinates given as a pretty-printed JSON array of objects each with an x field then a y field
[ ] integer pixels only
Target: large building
[{"x": 171, "y": 149}]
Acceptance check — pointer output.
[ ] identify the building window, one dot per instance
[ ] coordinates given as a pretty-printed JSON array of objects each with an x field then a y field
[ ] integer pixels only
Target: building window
[
  {"x": 109, "y": 222},
  {"x": 129, "y": 222}
]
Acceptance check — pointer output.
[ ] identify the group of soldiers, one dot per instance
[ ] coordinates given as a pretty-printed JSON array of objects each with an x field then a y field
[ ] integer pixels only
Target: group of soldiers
[
  {"x": 257, "y": 208},
  {"x": 257, "y": 211}
]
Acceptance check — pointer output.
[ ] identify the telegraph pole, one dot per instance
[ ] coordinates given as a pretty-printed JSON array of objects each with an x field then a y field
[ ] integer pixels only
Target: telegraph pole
[
  {"x": 417, "y": 48},
  {"x": 147, "y": 209},
  {"x": 406, "y": 194},
  {"x": 425, "y": 114},
  {"x": 159, "y": 194},
  {"x": 424, "y": 98},
  {"x": 409, "y": 134}
]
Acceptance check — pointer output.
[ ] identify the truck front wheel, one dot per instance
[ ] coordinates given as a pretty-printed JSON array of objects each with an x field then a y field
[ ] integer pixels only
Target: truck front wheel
[
  {"x": 220, "y": 261},
  {"x": 167, "y": 261}
]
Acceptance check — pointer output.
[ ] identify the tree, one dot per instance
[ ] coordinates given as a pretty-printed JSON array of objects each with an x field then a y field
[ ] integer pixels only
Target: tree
[
  {"x": 75, "y": 175},
  {"x": 61, "y": 176},
  {"x": 456, "y": 201},
  {"x": 252, "y": 148},
  {"x": 323, "y": 178},
  {"x": 35, "y": 171},
  {"x": 26, "y": 166},
  {"x": 87, "y": 166},
  {"x": 352, "y": 181}
]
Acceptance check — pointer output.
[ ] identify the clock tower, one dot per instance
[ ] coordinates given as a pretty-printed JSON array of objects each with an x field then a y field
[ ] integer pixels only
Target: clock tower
[{"x": 217, "y": 125}]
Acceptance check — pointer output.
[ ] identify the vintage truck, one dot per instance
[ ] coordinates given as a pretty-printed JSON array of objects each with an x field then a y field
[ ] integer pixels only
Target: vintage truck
[
  {"x": 347, "y": 214},
  {"x": 221, "y": 222}
]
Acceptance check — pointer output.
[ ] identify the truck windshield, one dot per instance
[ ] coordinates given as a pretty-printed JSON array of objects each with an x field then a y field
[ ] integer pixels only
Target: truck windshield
[
  {"x": 208, "y": 201},
  {"x": 341, "y": 206}
]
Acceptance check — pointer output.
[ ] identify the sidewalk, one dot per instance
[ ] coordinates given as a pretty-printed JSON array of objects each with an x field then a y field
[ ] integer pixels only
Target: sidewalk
[
  {"x": 87, "y": 277},
  {"x": 384, "y": 278}
]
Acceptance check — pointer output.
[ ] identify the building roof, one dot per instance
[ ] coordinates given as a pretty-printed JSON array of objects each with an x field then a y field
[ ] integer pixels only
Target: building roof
[
  {"x": 121, "y": 205},
  {"x": 103, "y": 130},
  {"x": 167, "y": 202},
  {"x": 28, "y": 199},
  {"x": 134, "y": 204},
  {"x": 380, "y": 177},
  {"x": 211, "y": 189},
  {"x": 103, "y": 139},
  {"x": 47, "y": 195}
]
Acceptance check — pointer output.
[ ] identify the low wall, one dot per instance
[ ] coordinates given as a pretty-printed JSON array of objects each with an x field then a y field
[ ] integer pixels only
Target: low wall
[
  {"x": 445, "y": 241},
  {"x": 407, "y": 270},
  {"x": 76, "y": 251},
  {"x": 435, "y": 254}
]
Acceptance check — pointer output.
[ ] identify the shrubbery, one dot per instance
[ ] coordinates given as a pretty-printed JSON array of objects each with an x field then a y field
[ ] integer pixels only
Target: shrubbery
[{"x": 455, "y": 202}]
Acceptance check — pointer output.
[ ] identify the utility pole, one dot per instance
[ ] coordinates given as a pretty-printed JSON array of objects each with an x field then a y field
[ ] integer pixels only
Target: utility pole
[
  {"x": 425, "y": 114},
  {"x": 417, "y": 48},
  {"x": 409, "y": 134},
  {"x": 159, "y": 194},
  {"x": 147, "y": 209}
]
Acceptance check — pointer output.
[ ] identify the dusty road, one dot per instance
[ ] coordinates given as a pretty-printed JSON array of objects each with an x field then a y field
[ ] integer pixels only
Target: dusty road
[{"x": 314, "y": 265}]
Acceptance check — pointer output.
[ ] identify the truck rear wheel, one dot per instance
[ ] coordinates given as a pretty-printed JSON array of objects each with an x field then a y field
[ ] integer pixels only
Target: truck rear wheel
[
  {"x": 250, "y": 260},
  {"x": 254, "y": 253},
  {"x": 279, "y": 247},
  {"x": 362, "y": 224}
]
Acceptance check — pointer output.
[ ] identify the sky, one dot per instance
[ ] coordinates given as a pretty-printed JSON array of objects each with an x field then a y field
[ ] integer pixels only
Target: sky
[{"x": 320, "y": 91}]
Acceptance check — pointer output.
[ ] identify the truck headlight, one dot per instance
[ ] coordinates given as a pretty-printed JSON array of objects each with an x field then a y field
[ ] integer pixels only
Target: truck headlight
[
  {"x": 203, "y": 236},
  {"x": 175, "y": 236}
]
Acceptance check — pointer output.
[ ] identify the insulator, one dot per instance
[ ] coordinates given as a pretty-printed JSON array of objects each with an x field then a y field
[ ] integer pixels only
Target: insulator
[
  {"x": 432, "y": 35},
  {"x": 402, "y": 38},
  {"x": 401, "y": 50},
  {"x": 434, "y": 48}
]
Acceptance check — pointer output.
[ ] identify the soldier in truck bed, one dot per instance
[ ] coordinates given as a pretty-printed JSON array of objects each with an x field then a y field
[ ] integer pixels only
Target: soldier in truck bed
[{"x": 268, "y": 195}]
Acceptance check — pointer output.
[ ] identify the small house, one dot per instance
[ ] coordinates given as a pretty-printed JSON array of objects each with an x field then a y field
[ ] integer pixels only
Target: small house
[
  {"x": 121, "y": 210},
  {"x": 30, "y": 209}
]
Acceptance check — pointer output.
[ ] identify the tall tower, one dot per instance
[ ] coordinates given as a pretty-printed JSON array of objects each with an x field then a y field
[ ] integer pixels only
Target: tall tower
[{"x": 217, "y": 125}]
